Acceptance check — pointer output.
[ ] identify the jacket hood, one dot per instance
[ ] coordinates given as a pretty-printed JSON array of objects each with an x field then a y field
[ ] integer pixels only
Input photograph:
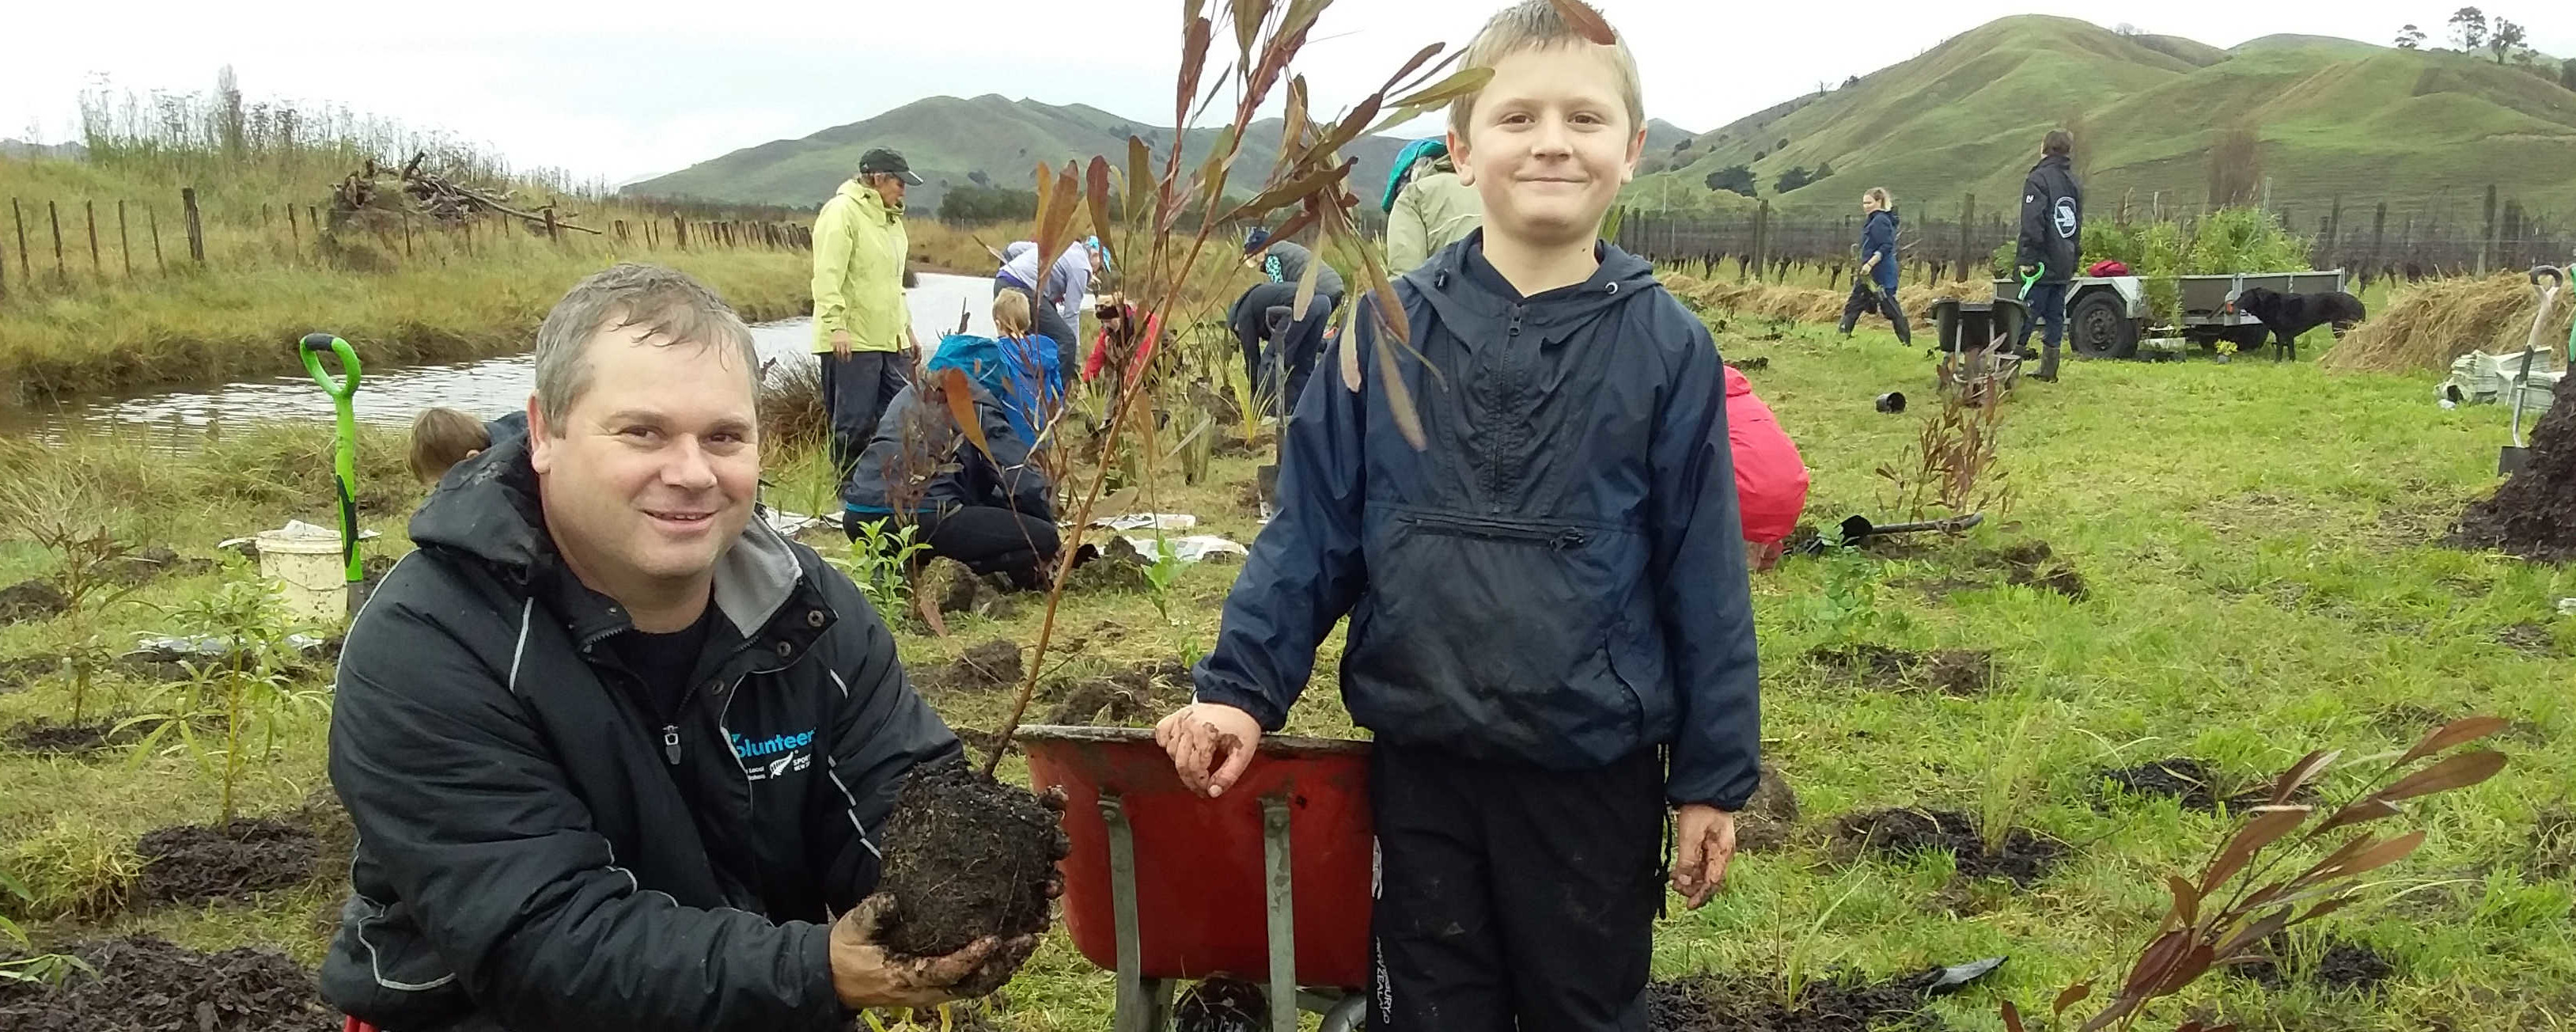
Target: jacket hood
[
  {"x": 488, "y": 509},
  {"x": 869, "y": 200},
  {"x": 1736, "y": 385},
  {"x": 1889, "y": 214},
  {"x": 1467, "y": 291},
  {"x": 2055, "y": 160}
]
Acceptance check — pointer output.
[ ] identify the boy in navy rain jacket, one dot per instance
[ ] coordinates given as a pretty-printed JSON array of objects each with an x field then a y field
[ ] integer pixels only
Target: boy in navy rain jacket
[{"x": 1551, "y": 631}]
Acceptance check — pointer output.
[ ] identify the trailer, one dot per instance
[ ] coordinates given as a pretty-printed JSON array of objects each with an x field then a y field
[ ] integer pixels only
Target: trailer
[{"x": 2109, "y": 316}]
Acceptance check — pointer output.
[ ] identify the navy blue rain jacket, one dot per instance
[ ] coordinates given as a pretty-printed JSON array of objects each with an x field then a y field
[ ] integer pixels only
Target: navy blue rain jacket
[
  {"x": 1558, "y": 578},
  {"x": 1878, "y": 237}
]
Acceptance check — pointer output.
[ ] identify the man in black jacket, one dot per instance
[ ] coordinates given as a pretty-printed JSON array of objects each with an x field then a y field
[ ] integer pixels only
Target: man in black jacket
[
  {"x": 2052, "y": 241},
  {"x": 615, "y": 750}
]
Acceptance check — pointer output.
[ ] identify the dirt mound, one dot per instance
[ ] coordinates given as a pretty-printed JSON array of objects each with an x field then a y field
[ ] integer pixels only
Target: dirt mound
[
  {"x": 966, "y": 857},
  {"x": 32, "y": 600},
  {"x": 961, "y": 590},
  {"x": 1949, "y": 671},
  {"x": 149, "y": 985},
  {"x": 2534, "y": 514},
  {"x": 1719, "y": 1003},
  {"x": 1768, "y": 818},
  {"x": 2343, "y": 966},
  {"x": 2025, "y": 858},
  {"x": 2424, "y": 326},
  {"x": 992, "y": 665},
  {"x": 1137, "y": 695},
  {"x": 194, "y": 863},
  {"x": 47, "y": 735},
  {"x": 1221, "y": 1005},
  {"x": 2553, "y": 844},
  {"x": 2183, "y": 778},
  {"x": 2034, "y": 565}
]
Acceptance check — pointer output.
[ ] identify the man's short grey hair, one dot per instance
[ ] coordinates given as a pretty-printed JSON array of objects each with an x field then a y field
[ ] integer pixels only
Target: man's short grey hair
[{"x": 673, "y": 307}]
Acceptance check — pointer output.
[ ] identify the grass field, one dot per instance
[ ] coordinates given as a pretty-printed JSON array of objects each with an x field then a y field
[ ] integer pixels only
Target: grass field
[{"x": 2259, "y": 545}]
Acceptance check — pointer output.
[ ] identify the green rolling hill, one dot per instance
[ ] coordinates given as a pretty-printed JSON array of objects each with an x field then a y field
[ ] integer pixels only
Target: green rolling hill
[
  {"x": 952, "y": 141},
  {"x": 2426, "y": 131}
]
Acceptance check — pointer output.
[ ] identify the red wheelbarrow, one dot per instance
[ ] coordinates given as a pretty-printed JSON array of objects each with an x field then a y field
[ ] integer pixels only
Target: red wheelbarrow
[{"x": 1270, "y": 883}]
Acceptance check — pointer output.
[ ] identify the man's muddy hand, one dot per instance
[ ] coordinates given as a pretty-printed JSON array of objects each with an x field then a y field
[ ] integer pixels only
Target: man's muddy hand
[
  {"x": 1210, "y": 745},
  {"x": 864, "y": 975}
]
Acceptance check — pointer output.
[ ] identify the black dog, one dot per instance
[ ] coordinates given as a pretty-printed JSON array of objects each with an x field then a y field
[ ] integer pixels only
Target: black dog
[{"x": 2289, "y": 315}]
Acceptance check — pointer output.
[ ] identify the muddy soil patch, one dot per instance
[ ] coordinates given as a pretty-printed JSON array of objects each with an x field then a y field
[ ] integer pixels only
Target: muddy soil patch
[
  {"x": 1768, "y": 818},
  {"x": 2200, "y": 785},
  {"x": 2025, "y": 858},
  {"x": 2344, "y": 966},
  {"x": 1134, "y": 695},
  {"x": 47, "y": 736},
  {"x": 2534, "y": 514},
  {"x": 146, "y": 983},
  {"x": 2553, "y": 844},
  {"x": 990, "y": 666},
  {"x": 35, "y": 599},
  {"x": 194, "y": 863},
  {"x": 1949, "y": 671},
  {"x": 1720, "y": 1003},
  {"x": 966, "y": 857},
  {"x": 2530, "y": 639}
]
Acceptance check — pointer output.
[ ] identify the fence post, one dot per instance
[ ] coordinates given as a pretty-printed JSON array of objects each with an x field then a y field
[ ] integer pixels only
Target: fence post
[
  {"x": 294, "y": 240},
  {"x": 1967, "y": 245},
  {"x": 152, "y": 219},
  {"x": 2486, "y": 238},
  {"x": 54, "y": 215},
  {"x": 196, "y": 225},
  {"x": 550, "y": 222},
  {"x": 313, "y": 221},
  {"x": 4, "y": 274},
  {"x": 19, "y": 216},
  {"x": 1762, "y": 240},
  {"x": 124, "y": 243},
  {"x": 406, "y": 224},
  {"x": 680, "y": 231},
  {"x": 2379, "y": 235},
  {"x": 89, "y": 214}
]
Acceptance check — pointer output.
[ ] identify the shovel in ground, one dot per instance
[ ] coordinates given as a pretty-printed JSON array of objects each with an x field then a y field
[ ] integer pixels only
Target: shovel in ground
[
  {"x": 344, "y": 459},
  {"x": 2511, "y": 458},
  {"x": 1858, "y": 528}
]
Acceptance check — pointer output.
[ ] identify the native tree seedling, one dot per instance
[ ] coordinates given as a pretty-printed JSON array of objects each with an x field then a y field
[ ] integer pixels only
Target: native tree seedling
[
  {"x": 879, "y": 561},
  {"x": 58, "y": 515},
  {"x": 247, "y": 683},
  {"x": 2247, "y": 893},
  {"x": 38, "y": 969}
]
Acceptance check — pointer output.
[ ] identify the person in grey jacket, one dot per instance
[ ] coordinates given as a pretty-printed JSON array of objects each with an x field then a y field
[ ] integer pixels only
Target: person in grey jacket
[
  {"x": 617, "y": 752},
  {"x": 1281, "y": 376}
]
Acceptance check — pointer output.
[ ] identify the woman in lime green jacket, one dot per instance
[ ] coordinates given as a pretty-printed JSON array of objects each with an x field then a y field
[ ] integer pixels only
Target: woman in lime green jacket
[{"x": 862, "y": 328}]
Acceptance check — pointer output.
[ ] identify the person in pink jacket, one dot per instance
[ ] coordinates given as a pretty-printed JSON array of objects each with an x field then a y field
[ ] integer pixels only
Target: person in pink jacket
[{"x": 1770, "y": 478}]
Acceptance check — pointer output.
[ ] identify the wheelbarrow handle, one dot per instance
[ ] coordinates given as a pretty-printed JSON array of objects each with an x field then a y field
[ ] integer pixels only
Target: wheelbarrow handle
[{"x": 311, "y": 349}]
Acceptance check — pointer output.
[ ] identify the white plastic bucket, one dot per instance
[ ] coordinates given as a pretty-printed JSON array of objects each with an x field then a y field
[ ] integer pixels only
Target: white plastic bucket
[{"x": 313, "y": 581}]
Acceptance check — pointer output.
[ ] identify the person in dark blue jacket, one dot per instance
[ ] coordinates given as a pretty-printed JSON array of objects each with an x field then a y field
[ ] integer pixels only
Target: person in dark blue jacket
[
  {"x": 1551, "y": 629},
  {"x": 1874, "y": 286},
  {"x": 2050, "y": 245}
]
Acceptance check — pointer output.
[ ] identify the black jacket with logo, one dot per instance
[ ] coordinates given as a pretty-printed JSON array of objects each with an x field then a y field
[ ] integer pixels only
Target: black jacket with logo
[
  {"x": 2052, "y": 220},
  {"x": 536, "y": 851}
]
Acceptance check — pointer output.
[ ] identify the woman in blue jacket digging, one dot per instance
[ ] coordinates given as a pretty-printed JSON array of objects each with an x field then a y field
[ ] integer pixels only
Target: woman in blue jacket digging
[{"x": 1874, "y": 286}]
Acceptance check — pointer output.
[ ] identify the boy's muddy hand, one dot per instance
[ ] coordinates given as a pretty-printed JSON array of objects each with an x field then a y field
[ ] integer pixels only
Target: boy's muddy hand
[
  {"x": 1703, "y": 843},
  {"x": 1210, "y": 744}
]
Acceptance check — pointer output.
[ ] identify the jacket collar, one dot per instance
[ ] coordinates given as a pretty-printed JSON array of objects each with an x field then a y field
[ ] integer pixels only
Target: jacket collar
[
  {"x": 1467, "y": 291},
  {"x": 870, "y": 202},
  {"x": 488, "y": 509}
]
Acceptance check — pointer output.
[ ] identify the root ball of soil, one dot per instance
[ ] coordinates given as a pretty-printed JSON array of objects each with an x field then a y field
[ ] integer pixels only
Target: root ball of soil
[
  {"x": 1769, "y": 817},
  {"x": 2182, "y": 777},
  {"x": 2025, "y": 858},
  {"x": 991, "y": 665},
  {"x": 966, "y": 857},
  {"x": 32, "y": 600},
  {"x": 145, "y": 983},
  {"x": 194, "y": 863}
]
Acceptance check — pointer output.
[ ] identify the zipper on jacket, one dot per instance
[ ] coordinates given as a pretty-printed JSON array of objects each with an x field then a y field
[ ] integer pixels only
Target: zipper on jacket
[
  {"x": 1562, "y": 539},
  {"x": 671, "y": 731}
]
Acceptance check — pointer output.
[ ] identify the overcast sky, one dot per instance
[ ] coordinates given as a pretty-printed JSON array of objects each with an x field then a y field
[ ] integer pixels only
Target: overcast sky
[{"x": 623, "y": 91}]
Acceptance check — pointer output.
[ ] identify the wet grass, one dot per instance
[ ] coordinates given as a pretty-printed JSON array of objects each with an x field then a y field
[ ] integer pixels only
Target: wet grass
[{"x": 2256, "y": 543}]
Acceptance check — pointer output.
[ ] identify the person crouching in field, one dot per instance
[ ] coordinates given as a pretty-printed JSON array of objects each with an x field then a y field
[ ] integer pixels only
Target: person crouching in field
[
  {"x": 993, "y": 511},
  {"x": 1551, "y": 639}
]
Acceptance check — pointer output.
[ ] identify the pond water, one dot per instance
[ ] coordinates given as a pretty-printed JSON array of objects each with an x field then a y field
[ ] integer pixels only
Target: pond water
[{"x": 391, "y": 396}]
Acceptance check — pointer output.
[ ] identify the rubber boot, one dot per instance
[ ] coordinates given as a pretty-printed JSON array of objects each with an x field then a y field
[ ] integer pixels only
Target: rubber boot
[{"x": 2047, "y": 363}]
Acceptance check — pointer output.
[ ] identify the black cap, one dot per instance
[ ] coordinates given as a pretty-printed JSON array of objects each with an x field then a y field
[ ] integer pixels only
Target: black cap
[{"x": 883, "y": 162}]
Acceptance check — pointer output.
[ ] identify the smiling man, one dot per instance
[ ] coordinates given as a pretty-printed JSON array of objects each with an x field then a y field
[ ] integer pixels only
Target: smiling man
[{"x": 614, "y": 749}]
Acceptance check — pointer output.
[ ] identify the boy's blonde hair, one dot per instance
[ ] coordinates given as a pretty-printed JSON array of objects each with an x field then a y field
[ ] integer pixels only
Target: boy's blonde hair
[
  {"x": 441, "y": 438},
  {"x": 1536, "y": 25},
  {"x": 1011, "y": 314}
]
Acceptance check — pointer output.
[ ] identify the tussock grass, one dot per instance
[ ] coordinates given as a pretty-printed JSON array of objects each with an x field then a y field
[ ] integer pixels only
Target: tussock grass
[{"x": 2422, "y": 327}]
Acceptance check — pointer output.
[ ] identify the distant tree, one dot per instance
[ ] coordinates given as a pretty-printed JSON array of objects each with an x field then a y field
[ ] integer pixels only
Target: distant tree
[
  {"x": 1823, "y": 171},
  {"x": 2567, "y": 74},
  {"x": 1681, "y": 145},
  {"x": 1733, "y": 178},
  {"x": 1851, "y": 82},
  {"x": 228, "y": 111},
  {"x": 2469, "y": 29},
  {"x": 1782, "y": 145},
  {"x": 2410, "y": 37},
  {"x": 1797, "y": 176},
  {"x": 1761, "y": 154},
  {"x": 978, "y": 178},
  {"x": 2125, "y": 29},
  {"x": 2505, "y": 38},
  {"x": 987, "y": 204}
]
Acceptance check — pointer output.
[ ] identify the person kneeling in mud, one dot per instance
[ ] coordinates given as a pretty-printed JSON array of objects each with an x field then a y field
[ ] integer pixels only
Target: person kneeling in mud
[{"x": 992, "y": 511}]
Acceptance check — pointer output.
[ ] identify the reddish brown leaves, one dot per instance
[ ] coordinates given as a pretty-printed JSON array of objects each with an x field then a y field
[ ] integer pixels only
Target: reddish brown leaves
[
  {"x": 960, "y": 394},
  {"x": 1586, "y": 22}
]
